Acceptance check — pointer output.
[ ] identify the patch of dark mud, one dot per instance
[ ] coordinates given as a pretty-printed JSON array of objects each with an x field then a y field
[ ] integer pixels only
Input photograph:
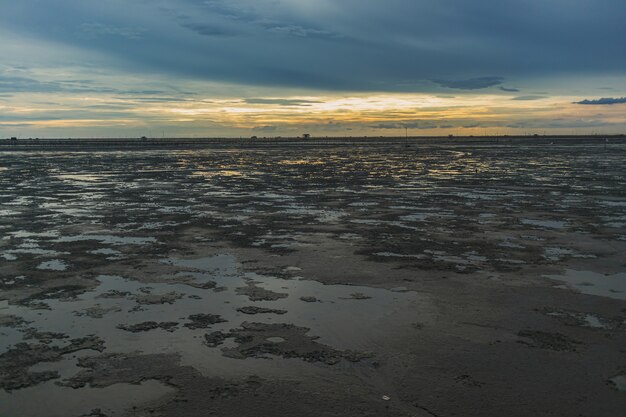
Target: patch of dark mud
[
  {"x": 191, "y": 281},
  {"x": 285, "y": 340},
  {"x": 589, "y": 320},
  {"x": 12, "y": 321},
  {"x": 151, "y": 299},
  {"x": 202, "y": 286},
  {"x": 97, "y": 311},
  {"x": 468, "y": 380},
  {"x": 203, "y": 321},
  {"x": 96, "y": 412},
  {"x": 357, "y": 296},
  {"x": 201, "y": 396},
  {"x": 43, "y": 337},
  {"x": 37, "y": 305},
  {"x": 15, "y": 363},
  {"x": 308, "y": 299},
  {"x": 105, "y": 370},
  {"x": 215, "y": 339},
  {"x": 255, "y": 293},
  {"x": 146, "y": 326},
  {"x": 251, "y": 310},
  {"x": 114, "y": 294},
  {"x": 546, "y": 340},
  {"x": 62, "y": 293},
  {"x": 275, "y": 271}
]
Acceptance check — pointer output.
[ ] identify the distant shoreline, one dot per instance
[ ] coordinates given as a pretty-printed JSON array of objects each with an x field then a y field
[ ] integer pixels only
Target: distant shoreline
[{"x": 194, "y": 143}]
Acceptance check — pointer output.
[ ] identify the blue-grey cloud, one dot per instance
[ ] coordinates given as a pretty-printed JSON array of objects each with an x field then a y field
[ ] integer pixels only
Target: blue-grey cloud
[
  {"x": 208, "y": 30},
  {"x": 381, "y": 45},
  {"x": 471, "y": 84},
  {"x": 299, "y": 31},
  {"x": 15, "y": 84},
  {"x": 509, "y": 90},
  {"x": 93, "y": 30},
  {"x": 602, "y": 101},
  {"x": 82, "y": 114}
]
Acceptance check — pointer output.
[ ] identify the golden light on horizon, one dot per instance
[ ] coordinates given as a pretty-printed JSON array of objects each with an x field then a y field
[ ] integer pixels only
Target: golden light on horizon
[{"x": 333, "y": 114}]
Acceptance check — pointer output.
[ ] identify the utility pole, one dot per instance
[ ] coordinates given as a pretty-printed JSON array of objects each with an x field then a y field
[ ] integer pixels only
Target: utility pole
[{"x": 406, "y": 136}]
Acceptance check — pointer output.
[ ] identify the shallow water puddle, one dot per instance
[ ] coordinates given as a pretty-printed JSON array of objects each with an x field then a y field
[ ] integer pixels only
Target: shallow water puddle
[
  {"x": 586, "y": 320},
  {"x": 592, "y": 283},
  {"x": 50, "y": 400},
  {"x": 545, "y": 224},
  {"x": 166, "y": 317},
  {"x": 53, "y": 265},
  {"x": 556, "y": 254},
  {"x": 619, "y": 382},
  {"x": 112, "y": 253},
  {"x": 108, "y": 239},
  {"x": 35, "y": 251}
]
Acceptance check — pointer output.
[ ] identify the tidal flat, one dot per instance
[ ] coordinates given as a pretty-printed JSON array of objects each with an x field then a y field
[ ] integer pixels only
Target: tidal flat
[{"x": 318, "y": 278}]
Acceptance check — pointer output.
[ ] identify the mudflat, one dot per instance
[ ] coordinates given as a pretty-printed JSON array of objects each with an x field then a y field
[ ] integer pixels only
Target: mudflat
[{"x": 318, "y": 279}]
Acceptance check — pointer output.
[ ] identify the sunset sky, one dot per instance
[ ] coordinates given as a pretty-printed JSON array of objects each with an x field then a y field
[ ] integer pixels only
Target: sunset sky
[{"x": 112, "y": 68}]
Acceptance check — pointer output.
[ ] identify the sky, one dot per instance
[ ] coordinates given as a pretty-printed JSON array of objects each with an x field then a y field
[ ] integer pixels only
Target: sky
[{"x": 241, "y": 68}]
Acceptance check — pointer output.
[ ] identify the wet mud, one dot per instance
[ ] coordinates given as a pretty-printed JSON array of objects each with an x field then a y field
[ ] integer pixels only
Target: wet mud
[
  {"x": 15, "y": 363},
  {"x": 286, "y": 340},
  {"x": 472, "y": 279}
]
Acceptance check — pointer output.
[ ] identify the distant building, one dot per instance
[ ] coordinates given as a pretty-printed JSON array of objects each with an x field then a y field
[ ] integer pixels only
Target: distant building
[{"x": 13, "y": 138}]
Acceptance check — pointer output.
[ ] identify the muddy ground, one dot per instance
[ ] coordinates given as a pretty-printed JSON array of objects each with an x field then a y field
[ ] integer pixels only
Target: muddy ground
[{"x": 333, "y": 280}]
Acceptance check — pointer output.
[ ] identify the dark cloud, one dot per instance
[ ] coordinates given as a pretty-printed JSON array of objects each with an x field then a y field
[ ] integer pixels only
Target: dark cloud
[
  {"x": 13, "y": 84},
  {"x": 22, "y": 84},
  {"x": 16, "y": 84},
  {"x": 472, "y": 83},
  {"x": 158, "y": 99},
  {"x": 265, "y": 128},
  {"x": 351, "y": 45},
  {"x": 230, "y": 10},
  {"x": 421, "y": 124},
  {"x": 300, "y": 31},
  {"x": 208, "y": 30},
  {"x": 528, "y": 98},
  {"x": 510, "y": 90},
  {"x": 141, "y": 92},
  {"x": 94, "y": 30},
  {"x": 280, "y": 101},
  {"x": 387, "y": 126},
  {"x": 122, "y": 106},
  {"x": 605, "y": 100},
  {"x": 79, "y": 114},
  {"x": 558, "y": 123}
]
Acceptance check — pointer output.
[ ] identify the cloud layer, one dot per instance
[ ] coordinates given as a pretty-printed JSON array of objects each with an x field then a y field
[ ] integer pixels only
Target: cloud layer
[
  {"x": 232, "y": 67},
  {"x": 390, "y": 45},
  {"x": 602, "y": 101}
]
